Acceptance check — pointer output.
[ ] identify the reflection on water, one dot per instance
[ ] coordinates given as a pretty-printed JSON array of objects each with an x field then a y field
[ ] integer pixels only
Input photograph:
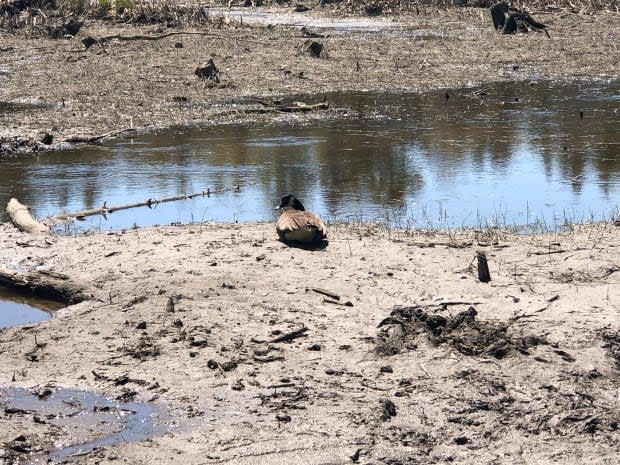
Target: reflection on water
[
  {"x": 511, "y": 152},
  {"x": 16, "y": 309}
]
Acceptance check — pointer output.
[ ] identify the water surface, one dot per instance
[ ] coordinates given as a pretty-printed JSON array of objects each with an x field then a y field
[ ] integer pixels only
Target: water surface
[
  {"x": 510, "y": 153},
  {"x": 16, "y": 309}
]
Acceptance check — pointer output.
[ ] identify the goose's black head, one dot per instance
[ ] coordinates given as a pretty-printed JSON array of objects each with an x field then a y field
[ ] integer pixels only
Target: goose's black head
[{"x": 290, "y": 201}]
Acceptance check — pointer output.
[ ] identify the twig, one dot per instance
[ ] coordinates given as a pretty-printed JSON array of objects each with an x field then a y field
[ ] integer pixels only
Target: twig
[
  {"x": 290, "y": 336},
  {"x": 160, "y": 81},
  {"x": 268, "y": 358},
  {"x": 283, "y": 385},
  {"x": 447, "y": 304},
  {"x": 548, "y": 252},
  {"x": 325, "y": 293}
]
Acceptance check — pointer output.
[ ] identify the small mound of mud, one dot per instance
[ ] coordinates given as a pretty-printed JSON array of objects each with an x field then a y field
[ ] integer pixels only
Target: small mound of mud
[
  {"x": 462, "y": 332},
  {"x": 612, "y": 344},
  {"x": 144, "y": 349}
]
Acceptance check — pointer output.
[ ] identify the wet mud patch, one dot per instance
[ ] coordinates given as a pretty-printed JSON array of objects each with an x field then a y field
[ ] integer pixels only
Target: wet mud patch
[
  {"x": 463, "y": 332},
  {"x": 58, "y": 424}
]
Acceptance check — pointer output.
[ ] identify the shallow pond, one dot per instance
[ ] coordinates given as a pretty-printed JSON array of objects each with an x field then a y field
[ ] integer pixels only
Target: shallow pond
[{"x": 507, "y": 154}]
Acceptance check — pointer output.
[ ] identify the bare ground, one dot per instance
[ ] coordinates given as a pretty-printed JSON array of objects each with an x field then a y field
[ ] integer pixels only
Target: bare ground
[
  {"x": 417, "y": 362},
  {"x": 145, "y": 84}
]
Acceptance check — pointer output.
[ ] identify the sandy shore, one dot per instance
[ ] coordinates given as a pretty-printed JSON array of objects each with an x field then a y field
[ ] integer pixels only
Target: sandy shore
[{"x": 524, "y": 369}]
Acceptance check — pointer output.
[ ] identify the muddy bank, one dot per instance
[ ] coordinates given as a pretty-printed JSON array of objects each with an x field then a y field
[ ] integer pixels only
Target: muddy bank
[
  {"x": 143, "y": 76},
  {"x": 407, "y": 358}
]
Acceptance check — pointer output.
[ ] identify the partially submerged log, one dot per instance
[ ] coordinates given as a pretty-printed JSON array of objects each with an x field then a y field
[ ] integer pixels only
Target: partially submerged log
[
  {"x": 22, "y": 219},
  {"x": 92, "y": 139},
  {"x": 104, "y": 209},
  {"x": 44, "y": 284},
  {"x": 295, "y": 107}
]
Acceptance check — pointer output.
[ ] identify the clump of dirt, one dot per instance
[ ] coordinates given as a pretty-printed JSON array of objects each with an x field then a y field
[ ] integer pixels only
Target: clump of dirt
[
  {"x": 612, "y": 344},
  {"x": 144, "y": 349},
  {"x": 462, "y": 332}
]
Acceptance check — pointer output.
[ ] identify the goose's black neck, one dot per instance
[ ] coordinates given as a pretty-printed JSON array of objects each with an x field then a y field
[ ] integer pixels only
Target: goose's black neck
[{"x": 290, "y": 202}]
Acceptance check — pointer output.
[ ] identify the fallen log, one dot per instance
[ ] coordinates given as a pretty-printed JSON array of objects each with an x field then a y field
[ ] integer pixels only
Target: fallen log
[
  {"x": 92, "y": 139},
  {"x": 104, "y": 209},
  {"x": 45, "y": 284},
  {"x": 22, "y": 219}
]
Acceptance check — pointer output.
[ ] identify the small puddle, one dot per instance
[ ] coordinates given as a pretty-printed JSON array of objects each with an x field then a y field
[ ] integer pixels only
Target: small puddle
[
  {"x": 83, "y": 421},
  {"x": 17, "y": 309}
]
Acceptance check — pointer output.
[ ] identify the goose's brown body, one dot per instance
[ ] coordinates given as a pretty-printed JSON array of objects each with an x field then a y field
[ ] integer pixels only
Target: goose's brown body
[{"x": 297, "y": 225}]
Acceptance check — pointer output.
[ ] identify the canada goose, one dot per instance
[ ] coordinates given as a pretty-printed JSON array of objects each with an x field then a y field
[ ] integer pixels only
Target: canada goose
[{"x": 297, "y": 225}]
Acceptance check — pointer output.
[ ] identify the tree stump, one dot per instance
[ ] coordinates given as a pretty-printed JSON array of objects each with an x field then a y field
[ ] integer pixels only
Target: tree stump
[
  {"x": 313, "y": 49},
  {"x": 208, "y": 71},
  {"x": 509, "y": 20},
  {"x": 483, "y": 268}
]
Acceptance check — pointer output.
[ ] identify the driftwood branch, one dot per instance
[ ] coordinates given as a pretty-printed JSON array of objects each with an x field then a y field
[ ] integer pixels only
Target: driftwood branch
[
  {"x": 104, "y": 209},
  {"x": 22, "y": 219}
]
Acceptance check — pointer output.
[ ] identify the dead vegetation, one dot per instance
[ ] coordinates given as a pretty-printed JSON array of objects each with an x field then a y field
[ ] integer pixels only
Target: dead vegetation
[{"x": 62, "y": 18}]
